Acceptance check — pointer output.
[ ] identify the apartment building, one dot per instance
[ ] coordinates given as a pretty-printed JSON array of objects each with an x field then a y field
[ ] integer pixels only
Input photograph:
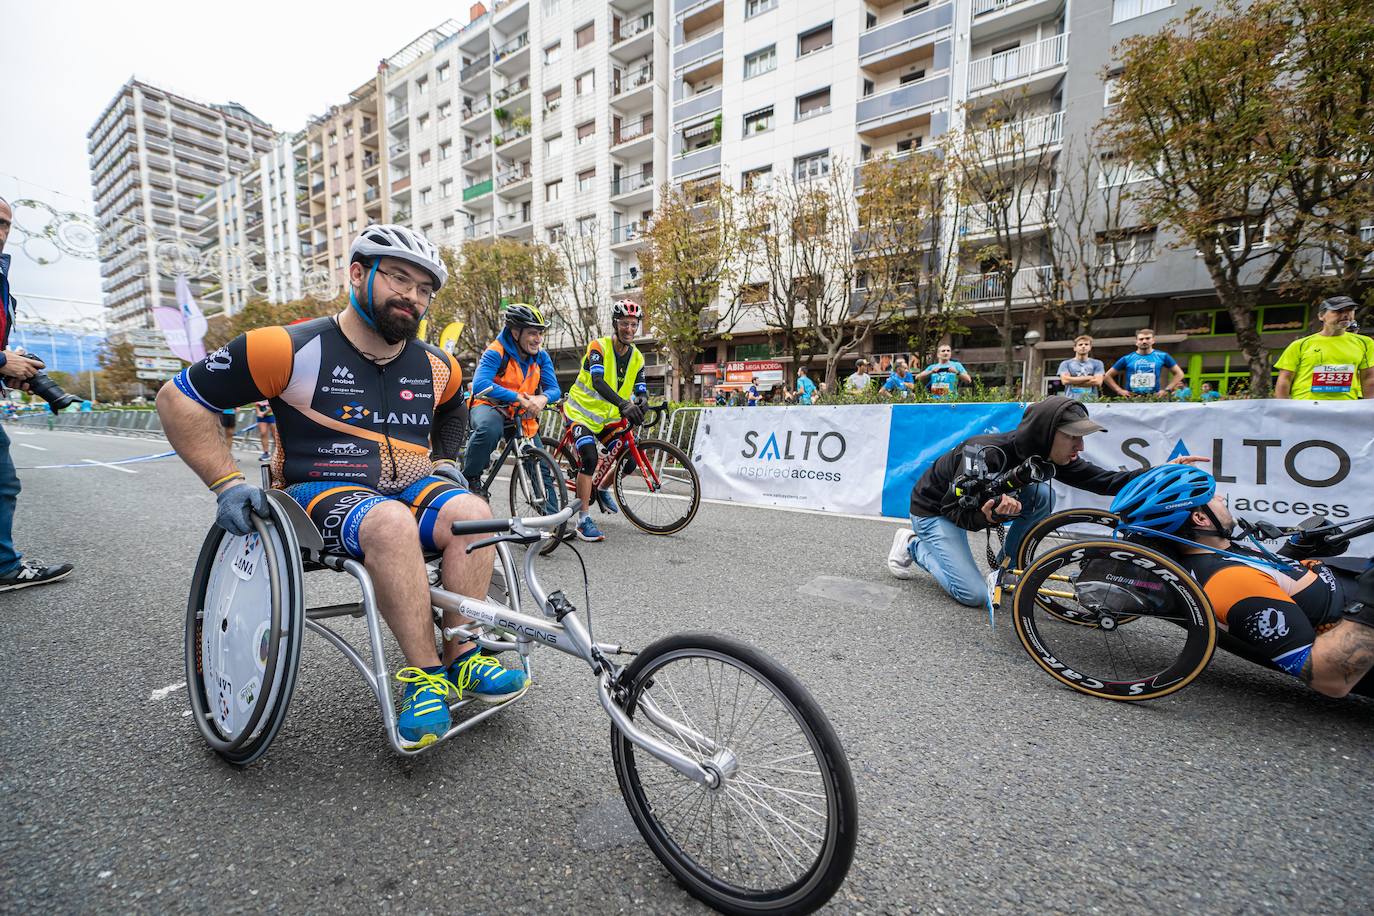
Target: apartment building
[
  {"x": 762, "y": 89},
  {"x": 154, "y": 156}
]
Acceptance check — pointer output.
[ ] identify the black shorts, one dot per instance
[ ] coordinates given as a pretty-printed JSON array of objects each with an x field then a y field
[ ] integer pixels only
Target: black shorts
[{"x": 228, "y": 420}]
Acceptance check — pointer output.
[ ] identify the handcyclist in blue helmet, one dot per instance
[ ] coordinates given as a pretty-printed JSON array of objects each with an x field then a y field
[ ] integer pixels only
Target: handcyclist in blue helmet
[{"x": 1308, "y": 619}]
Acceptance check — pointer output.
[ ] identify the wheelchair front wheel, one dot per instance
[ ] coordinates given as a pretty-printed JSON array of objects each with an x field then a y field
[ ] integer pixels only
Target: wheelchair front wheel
[
  {"x": 1060, "y": 528},
  {"x": 778, "y": 832},
  {"x": 1172, "y": 632},
  {"x": 244, "y": 628}
]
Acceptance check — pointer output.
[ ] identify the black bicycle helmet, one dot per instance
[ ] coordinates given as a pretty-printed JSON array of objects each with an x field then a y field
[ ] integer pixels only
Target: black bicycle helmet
[{"x": 522, "y": 315}]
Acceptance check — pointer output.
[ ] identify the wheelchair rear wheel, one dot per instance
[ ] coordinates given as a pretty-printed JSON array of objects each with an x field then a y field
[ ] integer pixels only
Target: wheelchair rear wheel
[
  {"x": 1062, "y": 528},
  {"x": 1172, "y": 631},
  {"x": 244, "y": 626}
]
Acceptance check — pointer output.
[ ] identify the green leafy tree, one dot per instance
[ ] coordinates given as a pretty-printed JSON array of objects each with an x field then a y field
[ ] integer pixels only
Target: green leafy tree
[{"x": 489, "y": 274}]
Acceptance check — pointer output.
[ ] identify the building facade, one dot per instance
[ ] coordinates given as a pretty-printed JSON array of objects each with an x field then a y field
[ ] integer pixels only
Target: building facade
[{"x": 154, "y": 157}]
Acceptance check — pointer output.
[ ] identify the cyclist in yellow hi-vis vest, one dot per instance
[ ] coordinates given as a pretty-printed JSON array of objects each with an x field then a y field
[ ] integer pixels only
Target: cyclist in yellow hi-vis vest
[{"x": 609, "y": 392}]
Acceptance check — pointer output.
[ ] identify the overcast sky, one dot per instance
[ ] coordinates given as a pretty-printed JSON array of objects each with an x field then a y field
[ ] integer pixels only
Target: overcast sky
[{"x": 64, "y": 61}]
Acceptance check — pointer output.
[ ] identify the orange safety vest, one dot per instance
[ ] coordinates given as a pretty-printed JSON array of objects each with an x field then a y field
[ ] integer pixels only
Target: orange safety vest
[{"x": 516, "y": 379}]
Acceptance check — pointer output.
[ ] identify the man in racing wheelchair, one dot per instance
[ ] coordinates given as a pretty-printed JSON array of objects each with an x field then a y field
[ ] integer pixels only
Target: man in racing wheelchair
[
  {"x": 1305, "y": 618},
  {"x": 363, "y": 409}
]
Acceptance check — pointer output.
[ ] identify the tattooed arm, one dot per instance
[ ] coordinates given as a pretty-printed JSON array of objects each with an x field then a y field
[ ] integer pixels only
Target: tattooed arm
[{"x": 1340, "y": 658}]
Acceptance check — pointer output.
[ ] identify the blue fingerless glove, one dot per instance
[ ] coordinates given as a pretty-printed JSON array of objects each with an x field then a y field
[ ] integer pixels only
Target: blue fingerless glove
[{"x": 235, "y": 503}]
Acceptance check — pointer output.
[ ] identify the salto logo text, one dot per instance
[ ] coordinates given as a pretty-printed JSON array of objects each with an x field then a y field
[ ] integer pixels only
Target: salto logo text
[
  {"x": 794, "y": 446},
  {"x": 343, "y": 375}
]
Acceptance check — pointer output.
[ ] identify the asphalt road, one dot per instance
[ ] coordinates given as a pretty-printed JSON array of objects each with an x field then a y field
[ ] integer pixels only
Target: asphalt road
[{"x": 983, "y": 785}]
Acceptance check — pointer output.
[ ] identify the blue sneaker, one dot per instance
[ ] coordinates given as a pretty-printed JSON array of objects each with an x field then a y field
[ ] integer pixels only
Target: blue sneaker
[
  {"x": 587, "y": 530},
  {"x": 482, "y": 677},
  {"x": 424, "y": 715},
  {"x": 607, "y": 502}
]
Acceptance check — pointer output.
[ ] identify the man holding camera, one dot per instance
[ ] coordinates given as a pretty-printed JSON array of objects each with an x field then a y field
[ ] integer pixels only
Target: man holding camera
[
  {"x": 15, "y": 369},
  {"x": 993, "y": 478}
]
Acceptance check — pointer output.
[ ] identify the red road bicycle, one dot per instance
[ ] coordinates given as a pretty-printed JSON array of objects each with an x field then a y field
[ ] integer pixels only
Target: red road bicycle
[{"x": 654, "y": 481}]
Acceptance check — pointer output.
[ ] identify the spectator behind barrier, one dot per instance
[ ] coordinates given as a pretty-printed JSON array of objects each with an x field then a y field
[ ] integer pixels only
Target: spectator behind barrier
[{"x": 1333, "y": 364}]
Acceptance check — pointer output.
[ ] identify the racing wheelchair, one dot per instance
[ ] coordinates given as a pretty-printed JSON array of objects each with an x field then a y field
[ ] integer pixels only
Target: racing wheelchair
[
  {"x": 730, "y": 770},
  {"x": 1110, "y": 616}
]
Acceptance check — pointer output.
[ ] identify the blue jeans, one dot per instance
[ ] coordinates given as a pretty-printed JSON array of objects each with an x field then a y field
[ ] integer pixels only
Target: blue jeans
[
  {"x": 941, "y": 547},
  {"x": 485, "y": 425},
  {"x": 9, "y": 495}
]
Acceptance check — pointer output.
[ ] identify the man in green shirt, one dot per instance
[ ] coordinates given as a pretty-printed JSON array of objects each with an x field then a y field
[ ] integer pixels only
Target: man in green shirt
[{"x": 1330, "y": 365}]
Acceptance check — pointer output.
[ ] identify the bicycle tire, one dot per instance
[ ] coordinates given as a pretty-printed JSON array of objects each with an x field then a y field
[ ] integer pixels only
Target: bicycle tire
[
  {"x": 829, "y": 864},
  {"x": 685, "y": 473},
  {"x": 1044, "y": 530},
  {"x": 567, "y": 461},
  {"x": 1060, "y": 654},
  {"x": 557, "y": 485}
]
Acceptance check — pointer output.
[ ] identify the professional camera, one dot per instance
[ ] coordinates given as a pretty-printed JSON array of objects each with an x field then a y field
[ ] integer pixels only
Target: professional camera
[
  {"x": 977, "y": 484},
  {"x": 47, "y": 389}
]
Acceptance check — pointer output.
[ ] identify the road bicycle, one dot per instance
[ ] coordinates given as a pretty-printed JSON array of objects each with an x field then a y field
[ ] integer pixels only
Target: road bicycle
[
  {"x": 730, "y": 771},
  {"x": 537, "y": 484},
  {"x": 654, "y": 481}
]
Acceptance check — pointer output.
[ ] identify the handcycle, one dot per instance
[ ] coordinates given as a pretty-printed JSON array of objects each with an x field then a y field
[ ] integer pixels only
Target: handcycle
[
  {"x": 537, "y": 484},
  {"x": 654, "y": 481},
  {"x": 1110, "y": 616},
  {"x": 730, "y": 771}
]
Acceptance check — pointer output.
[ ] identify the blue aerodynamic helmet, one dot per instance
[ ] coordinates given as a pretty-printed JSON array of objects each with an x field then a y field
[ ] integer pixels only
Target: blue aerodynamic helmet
[{"x": 1162, "y": 498}]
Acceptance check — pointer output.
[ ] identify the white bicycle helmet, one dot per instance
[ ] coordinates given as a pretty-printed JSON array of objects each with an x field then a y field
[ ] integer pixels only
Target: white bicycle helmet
[{"x": 392, "y": 241}]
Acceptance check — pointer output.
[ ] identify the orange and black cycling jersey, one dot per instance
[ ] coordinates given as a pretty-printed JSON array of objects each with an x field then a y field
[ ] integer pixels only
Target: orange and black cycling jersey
[{"x": 340, "y": 416}]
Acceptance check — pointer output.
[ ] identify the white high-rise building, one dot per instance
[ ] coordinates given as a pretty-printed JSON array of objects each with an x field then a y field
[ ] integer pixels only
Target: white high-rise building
[{"x": 155, "y": 156}]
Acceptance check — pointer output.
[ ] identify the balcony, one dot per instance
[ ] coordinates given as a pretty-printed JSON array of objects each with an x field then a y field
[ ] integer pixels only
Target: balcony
[
  {"x": 696, "y": 161},
  {"x": 1023, "y": 216},
  {"x": 478, "y": 230},
  {"x": 400, "y": 215},
  {"x": 1026, "y": 283},
  {"x": 513, "y": 141},
  {"x": 478, "y": 150},
  {"x": 474, "y": 191},
  {"x": 475, "y": 69},
  {"x": 626, "y": 234},
  {"x": 633, "y": 137},
  {"x": 504, "y": 56},
  {"x": 372, "y": 194},
  {"x": 518, "y": 88},
  {"x": 625, "y": 282},
  {"x": 1003, "y": 70},
  {"x": 1123, "y": 10},
  {"x": 632, "y": 37},
  {"x": 696, "y": 105},
  {"x": 636, "y": 184},
  {"x": 512, "y": 179},
  {"x": 1020, "y": 138},
  {"x": 400, "y": 184},
  {"x": 692, "y": 57},
  {"x": 516, "y": 224},
  {"x": 397, "y": 113},
  {"x": 897, "y": 108},
  {"x": 626, "y": 86},
  {"x": 398, "y": 149},
  {"x": 896, "y": 44},
  {"x": 999, "y": 16}
]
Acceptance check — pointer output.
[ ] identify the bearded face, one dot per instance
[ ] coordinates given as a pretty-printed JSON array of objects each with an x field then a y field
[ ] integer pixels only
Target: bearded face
[{"x": 398, "y": 319}]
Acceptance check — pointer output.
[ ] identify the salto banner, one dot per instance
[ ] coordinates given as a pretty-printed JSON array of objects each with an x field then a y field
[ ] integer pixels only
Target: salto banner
[{"x": 1278, "y": 460}]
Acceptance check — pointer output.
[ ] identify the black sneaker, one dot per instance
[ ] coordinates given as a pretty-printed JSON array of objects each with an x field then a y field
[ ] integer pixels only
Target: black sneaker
[{"x": 31, "y": 572}]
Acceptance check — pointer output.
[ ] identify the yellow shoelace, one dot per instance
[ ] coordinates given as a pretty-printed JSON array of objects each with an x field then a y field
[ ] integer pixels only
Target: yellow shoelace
[
  {"x": 465, "y": 678},
  {"x": 435, "y": 684}
]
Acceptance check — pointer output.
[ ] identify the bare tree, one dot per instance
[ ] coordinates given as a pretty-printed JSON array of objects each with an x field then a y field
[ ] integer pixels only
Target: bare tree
[
  {"x": 1094, "y": 243},
  {"x": 1004, "y": 161},
  {"x": 576, "y": 308}
]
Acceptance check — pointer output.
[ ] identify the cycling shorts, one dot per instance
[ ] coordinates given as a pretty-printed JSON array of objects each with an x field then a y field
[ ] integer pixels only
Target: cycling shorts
[
  {"x": 581, "y": 433},
  {"x": 338, "y": 508},
  {"x": 228, "y": 419}
]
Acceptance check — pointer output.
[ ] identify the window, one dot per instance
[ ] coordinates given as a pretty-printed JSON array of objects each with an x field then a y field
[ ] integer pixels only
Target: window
[
  {"x": 445, "y": 149},
  {"x": 422, "y": 121},
  {"x": 427, "y": 228},
  {"x": 761, "y": 61},
  {"x": 1112, "y": 90},
  {"x": 584, "y": 83},
  {"x": 753, "y": 7},
  {"x": 1236, "y": 233},
  {"x": 353, "y": 193},
  {"x": 757, "y": 179},
  {"x": 915, "y": 7},
  {"x": 1130, "y": 9},
  {"x": 553, "y": 146},
  {"x": 585, "y": 178},
  {"x": 817, "y": 39},
  {"x": 444, "y": 111},
  {"x": 553, "y": 190},
  {"x": 348, "y": 165},
  {"x": 337, "y": 200},
  {"x": 446, "y": 188},
  {"x": 914, "y": 76},
  {"x": 551, "y": 7},
  {"x": 868, "y": 88},
  {"x": 586, "y": 225},
  {"x": 424, "y": 157},
  {"x": 1129, "y": 246},
  {"x": 553, "y": 98},
  {"x": 333, "y": 139},
  {"x": 756, "y": 122},
  {"x": 813, "y": 103},
  {"x": 554, "y": 234},
  {"x": 422, "y": 85},
  {"x": 909, "y": 145},
  {"x": 333, "y": 170},
  {"x": 447, "y": 222},
  {"x": 553, "y": 52},
  {"x": 584, "y": 35},
  {"x": 442, "y": 73},
  {"x": 815, "y": 165},
  {"x": 338, "y": 232},
  {"x": 1117, "y": 171},
  {"x": 585, "y": 132},
  {"x": 870, "y": 20},
  {"x": 427, "y": 195},
  {"x": 353, "y": 225}
]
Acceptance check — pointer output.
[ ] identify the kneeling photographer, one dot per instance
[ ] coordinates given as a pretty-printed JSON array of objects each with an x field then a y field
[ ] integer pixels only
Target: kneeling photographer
[{"x": 992, "y": 479}]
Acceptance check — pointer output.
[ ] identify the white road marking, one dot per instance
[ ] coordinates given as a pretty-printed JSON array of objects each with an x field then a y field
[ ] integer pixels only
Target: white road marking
[
  {"x": 113, "y": 467},
  {"x": 162, "y": 692},
  {"x": 36, "y": 448}
]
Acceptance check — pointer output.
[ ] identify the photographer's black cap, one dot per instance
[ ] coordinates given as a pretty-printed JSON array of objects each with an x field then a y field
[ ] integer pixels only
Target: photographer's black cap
[
  {"x": 1074, "y": 421},
  {"x": 1335, "y": 304}
]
